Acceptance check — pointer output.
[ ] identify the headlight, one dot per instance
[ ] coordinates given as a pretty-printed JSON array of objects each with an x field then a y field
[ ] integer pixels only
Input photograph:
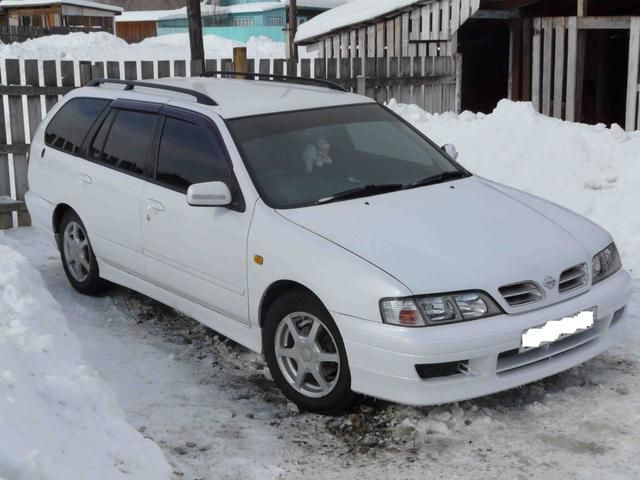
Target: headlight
[
  {"x": 428, "y": 310},
  {"x": 605, "y": 264}
]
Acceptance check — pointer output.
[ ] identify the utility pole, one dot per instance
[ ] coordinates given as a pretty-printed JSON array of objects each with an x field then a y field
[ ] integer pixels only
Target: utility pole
[
  {"x": 293, "y": 28},
  {"x": 195, "y": 35}
]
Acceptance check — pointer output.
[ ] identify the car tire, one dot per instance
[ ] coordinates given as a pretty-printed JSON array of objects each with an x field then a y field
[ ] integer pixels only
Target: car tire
[
  {"x": 78, "y": 260},
  {"x": 313, "y": 372}
]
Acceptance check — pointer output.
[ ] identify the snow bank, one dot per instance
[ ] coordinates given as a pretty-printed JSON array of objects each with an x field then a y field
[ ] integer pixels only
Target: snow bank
[
  {"x": 104, "y": 46},
  {"x": 58, "y": 419},
  {"x": 592, "y": 170}
]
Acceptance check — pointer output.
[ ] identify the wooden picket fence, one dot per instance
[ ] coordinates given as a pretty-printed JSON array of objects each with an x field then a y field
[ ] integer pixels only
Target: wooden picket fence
[{"x": 30, "y": 88}]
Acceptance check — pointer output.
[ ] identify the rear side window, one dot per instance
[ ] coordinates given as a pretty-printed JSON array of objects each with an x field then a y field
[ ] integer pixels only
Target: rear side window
[
  {"x": 188, "y": 154},
  {"x": 127, "y": 142},
  {"x": 68, "y": 129}
]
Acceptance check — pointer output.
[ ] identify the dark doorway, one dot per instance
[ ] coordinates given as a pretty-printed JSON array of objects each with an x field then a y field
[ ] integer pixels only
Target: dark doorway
[
  {"x": 485, "y": 64},
  {"x": 605, "y": 77}
]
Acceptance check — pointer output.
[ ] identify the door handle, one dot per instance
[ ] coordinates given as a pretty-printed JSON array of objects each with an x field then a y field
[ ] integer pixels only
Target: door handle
[
  {"x": 153, "y": 207},
  {"x": 84, "y": 178}
]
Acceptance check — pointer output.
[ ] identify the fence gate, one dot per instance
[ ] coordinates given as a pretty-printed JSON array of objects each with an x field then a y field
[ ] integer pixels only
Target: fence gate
[{"x": 557, "y": 64}]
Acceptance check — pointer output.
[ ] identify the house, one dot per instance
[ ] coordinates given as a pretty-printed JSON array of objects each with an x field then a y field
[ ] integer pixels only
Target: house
[
  {"x": 55, "y": 16},
  {"x": 574, "y": 59},
  {"x": 233, "y": 19}
]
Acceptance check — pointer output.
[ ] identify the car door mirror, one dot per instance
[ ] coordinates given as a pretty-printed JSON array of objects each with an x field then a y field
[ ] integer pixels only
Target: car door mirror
[
  {"x": 450, "y": 150},
  {"x": 209, "y": 194}
]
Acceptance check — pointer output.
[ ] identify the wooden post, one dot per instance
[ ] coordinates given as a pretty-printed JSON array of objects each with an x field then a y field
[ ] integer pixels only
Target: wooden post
[
  {"x": 195, "y": 32},
  {"x": 583, "y": 11},
  {"x": 362, "y": 85},
  {"x": 558, "y": 84},
  {"x": 6, "y": 218},
  {"x": 547, "y": 62},
  {"x": 634, "y": 68},
  {"x": 18, "y": 137},
  {"x": 293, "y": 28},
  {"x": 572, "y": 67},
  {"x": 240, "y": 61},
  {"x": 583, "y": 8},
  {"x": 535, "y": 63},
  {"x": 515, "y": 59}
]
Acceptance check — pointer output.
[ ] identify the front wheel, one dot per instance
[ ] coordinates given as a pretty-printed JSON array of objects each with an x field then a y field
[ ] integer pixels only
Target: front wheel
[{"x": 306, "y": 355}]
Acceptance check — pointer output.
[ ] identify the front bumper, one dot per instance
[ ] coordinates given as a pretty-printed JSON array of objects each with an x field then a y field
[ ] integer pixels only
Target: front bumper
[{"x": 383, "y": 358}]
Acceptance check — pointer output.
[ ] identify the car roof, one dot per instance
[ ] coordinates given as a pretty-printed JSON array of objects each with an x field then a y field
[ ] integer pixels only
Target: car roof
[{"x": 242, "y": 98}]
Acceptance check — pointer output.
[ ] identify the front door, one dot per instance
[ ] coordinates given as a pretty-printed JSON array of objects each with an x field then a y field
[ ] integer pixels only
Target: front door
[{"x": 196, "y": 252}]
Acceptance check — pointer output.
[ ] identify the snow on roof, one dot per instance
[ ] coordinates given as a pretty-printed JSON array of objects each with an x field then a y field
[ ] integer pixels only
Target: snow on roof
[
  {"x": 350, "y": 13},
  {"x": 77, "y": 3},
  {"x": 318, "y": 3},
  {"x": 254, "y": 7},
  {"x": 208, "y": 10},
  {"x": 144, "y": 15}
]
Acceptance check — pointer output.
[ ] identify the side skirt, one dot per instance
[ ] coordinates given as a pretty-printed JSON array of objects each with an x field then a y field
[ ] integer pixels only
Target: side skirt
[{"x": 245, "y": 335}]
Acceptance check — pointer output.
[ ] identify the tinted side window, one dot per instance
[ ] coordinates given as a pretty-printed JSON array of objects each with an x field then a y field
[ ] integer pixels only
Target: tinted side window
[
  {"x": 188, "y": 154},
  {"x": 128, "y": 141},
  {"x": 71, "y": 124},
  {"x": 95, "y": 149}
]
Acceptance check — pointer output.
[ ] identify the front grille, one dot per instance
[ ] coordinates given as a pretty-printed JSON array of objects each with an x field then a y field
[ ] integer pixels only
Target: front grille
[
  {"x": 573, "y": 278},
  {"x": 519, "y": 294},
  {"x": 513, "y": 360}
]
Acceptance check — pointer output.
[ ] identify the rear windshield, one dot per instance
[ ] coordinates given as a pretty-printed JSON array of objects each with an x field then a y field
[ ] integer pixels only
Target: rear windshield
[
  {"x": 68, "y": 129},
  {"x": 300, "y": 158}
]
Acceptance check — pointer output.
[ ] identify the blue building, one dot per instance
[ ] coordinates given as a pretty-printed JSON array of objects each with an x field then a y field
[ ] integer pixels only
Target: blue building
[{"x": 242, "y": 19}]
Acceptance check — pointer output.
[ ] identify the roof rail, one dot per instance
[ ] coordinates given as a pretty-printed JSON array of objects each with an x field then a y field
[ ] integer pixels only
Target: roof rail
[
  {"x": 278, "y": 78},
  {"x": 131, "y": 84}
]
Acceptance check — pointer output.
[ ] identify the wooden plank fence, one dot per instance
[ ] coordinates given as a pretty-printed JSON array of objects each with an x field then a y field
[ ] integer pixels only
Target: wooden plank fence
[
  {"x": 418, "y": 30},
  {"x": 30, "y": 88},
  {"x": 557, "y": 65}
]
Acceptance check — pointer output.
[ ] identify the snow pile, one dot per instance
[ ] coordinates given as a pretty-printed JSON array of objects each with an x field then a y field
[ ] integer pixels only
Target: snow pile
[
  {"x": 99, "y": 46},
  {"x": 592, "y": 170},
  {"x": 58, "y": 419}
]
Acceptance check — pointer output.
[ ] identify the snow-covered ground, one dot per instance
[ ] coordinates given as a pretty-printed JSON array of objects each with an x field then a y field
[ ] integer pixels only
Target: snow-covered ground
[
  {"x": 211, "y": 407},
  {"x": 104, "y": 46},
  {"x": 52, "y": 404}
]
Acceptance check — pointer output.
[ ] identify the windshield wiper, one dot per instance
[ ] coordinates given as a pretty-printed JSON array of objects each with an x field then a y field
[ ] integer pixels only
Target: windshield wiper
[
  {"x": 364, "y": 191},
  {"x": 440, "y": 178}
]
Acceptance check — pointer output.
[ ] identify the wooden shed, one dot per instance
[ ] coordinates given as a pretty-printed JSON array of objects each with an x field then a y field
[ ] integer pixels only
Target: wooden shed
[
  {"x": 135, "y": 26},
  {"x": 574, "y": 59},
  {"x": 71, "y": 15}
]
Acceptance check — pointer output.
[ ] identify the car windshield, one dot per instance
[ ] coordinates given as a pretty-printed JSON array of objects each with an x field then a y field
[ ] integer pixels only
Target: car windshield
[{"x": 332, "y": 154}]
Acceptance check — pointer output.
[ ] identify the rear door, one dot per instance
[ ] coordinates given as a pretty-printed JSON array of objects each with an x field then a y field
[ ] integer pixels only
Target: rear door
[
  {"x": 118, "y": 154},
  {"x": 197, "y": 252}
]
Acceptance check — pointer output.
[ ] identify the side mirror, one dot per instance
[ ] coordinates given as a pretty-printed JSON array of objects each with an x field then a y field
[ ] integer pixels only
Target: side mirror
[
  {"x": 450, "y": 150},
  {"x": 209, "y": 194}
]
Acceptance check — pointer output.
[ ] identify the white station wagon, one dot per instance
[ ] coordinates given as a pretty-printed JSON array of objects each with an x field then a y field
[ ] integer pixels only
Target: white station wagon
[{"x": 319, "y": 228}]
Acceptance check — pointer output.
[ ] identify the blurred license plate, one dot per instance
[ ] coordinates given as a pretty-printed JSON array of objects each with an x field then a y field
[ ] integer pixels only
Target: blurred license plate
[{"x": 556, "y": 329}]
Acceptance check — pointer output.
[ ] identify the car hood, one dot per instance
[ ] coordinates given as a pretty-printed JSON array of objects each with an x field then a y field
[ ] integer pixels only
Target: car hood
[{"x": 468, "y": 234}]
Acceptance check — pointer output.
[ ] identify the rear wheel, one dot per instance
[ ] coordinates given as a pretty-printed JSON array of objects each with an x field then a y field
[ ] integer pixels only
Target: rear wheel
[
  {"x": 306, "y": 355},
  {"x": 78, "y": 259}
]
